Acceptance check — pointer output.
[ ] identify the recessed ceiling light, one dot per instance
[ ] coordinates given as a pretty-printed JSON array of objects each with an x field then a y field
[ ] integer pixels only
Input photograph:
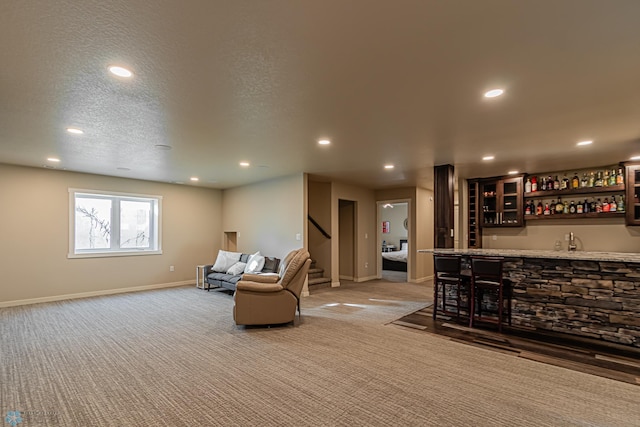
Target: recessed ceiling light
[
  {"x": 120, "y": 71},
  {"x": 493, "y": 93},
  {"x": 244, "y": 164},
  {"x": 163, "y": 147},
  {"x": 488, "y": 157},
  {"x": 324, "y": 142},
  {"x": 75, "y": 131},
  {"x": 194, "y": 178},
  {"x": 53, "y": 159},
  {"x": 635, "y": 158},
  {"x": 584, "y": 142},
  {"x": 389, "y": 166},
  {"x": 513, "y": 172},
  {"x": 124, "y": 169}
]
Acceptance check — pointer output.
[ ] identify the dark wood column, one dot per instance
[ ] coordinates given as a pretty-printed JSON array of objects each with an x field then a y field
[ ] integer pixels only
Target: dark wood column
[{"x": 443, "y": 206}]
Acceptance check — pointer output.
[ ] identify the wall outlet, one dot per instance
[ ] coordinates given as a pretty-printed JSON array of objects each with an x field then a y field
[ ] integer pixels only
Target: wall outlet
[
  {"x": 366, "y": 265},
  {"x": 172, "y": 268},
  {"x": 298, "y": 236},
  {"x": 566, "y": 237},
  {"x": 494, "y": 237}
]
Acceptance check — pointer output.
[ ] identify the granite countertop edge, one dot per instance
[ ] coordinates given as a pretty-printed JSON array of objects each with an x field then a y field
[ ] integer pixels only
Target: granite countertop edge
[{"x": 529, "y": 253}]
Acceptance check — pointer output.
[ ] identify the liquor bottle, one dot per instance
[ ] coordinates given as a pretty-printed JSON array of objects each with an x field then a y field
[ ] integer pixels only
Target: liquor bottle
[
  {"x": 527, "y": 186},
  {"x": 556, "y": 183},
  {"x": 572, "y": 207},
  {"x": 612, "y": 177},
  {"x": 543, "y": 184},
  {"x": 599, "y": 206},
  {"x": 586, "y": 207},
  {"x": 613, "y": 206},
  {"x": 620, "y": 177},
  {"x": 534, "y": 184},
  {"x": 565, "y": 208},
  {"x": 579, "y": 208},
  {"x": 598, "y": 181},
  {"x": 605, "y": 205},
  {"x": 552, "y": 207},
  {"x": 559, "y": 206},
  {"x": 539, "y": 208},
  {"x": 593, "y": 205},
  {"x": 592, "y": 180},
  {"x": 527, "y": 208},
  {"x": 621, "y": 204},
  {"x": 575, "y": 181},
  {"x": 585, "y": 181},
  {"x": 546, "y": 209},
  {"x": 605, "y": 178}
]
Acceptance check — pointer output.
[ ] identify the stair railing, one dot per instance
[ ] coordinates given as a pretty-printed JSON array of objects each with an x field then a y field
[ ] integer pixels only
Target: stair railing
[{"x": 319, "y": 227}]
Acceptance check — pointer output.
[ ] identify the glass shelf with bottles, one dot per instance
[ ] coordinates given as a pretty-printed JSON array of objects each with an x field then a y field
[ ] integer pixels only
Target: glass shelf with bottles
[
  {"x": 589, "y": 207},
  {"x": 596, "y": 180}
]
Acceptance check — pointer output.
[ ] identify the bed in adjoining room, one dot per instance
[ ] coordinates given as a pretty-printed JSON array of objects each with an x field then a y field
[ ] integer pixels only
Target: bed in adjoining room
[{"x": 396, "y": 260}]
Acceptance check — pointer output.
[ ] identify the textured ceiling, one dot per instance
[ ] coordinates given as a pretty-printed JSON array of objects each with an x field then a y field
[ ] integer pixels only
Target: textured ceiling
[{"x": 387, "y": 81}]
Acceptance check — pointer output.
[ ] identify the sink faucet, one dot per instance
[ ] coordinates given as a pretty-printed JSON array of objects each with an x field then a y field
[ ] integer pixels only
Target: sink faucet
[{"x": 572, "y": 242}]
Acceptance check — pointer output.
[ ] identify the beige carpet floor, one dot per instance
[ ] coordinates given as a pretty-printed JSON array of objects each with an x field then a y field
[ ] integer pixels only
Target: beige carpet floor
[{"x": 174, "y": 357}]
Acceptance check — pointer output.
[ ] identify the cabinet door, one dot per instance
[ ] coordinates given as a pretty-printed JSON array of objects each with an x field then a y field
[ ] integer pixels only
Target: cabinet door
[
  {"x": 511, "y": 202},
  {"x": 489, "y": 217},
  {"x": 633, "y": 195}
]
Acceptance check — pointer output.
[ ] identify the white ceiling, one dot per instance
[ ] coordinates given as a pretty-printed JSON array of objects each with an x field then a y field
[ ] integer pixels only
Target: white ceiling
[{"x": 394, "y": 81}]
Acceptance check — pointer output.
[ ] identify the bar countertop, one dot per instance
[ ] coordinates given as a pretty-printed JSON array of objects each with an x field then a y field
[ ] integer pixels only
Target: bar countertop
[{"x": 529, "y": 253}]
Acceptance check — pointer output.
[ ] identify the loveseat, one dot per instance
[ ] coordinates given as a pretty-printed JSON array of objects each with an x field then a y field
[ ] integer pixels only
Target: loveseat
[{"x": 230, "y": 266}]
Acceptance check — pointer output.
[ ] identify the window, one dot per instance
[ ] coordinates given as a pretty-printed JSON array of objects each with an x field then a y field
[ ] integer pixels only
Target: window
[{"x": 113, "y": 224}]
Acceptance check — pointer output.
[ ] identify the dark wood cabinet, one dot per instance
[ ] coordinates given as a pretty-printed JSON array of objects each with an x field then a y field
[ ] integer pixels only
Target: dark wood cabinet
[
  {"x": 633, "y": 194},
  {"x": 501, "y": 202},
  {"x": 474, "y": 239}
]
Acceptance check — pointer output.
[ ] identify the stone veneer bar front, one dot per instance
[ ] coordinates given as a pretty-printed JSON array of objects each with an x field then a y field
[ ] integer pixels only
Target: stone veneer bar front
[{"x": 591, "y": 294}]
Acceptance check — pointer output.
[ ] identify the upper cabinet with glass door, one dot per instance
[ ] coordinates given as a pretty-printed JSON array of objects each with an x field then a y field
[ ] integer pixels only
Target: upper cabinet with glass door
[{"x": 501, "y": 199}]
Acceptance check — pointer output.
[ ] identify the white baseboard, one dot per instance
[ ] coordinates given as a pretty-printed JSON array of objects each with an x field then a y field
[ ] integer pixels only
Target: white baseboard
[
  {"x": 93, "y": 293},
  {"x": 366, "y": 279},
  {"x": 335, "y": 284}
]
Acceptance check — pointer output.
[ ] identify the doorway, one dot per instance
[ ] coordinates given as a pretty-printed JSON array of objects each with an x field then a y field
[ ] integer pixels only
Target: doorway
[
  {"x": 347, "y": 239},
  {"x": 393, "y": 240}
]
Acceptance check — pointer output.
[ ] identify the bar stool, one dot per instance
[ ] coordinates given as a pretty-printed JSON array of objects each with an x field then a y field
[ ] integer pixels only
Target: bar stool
[
  {"x": 486, "y": 275},
  {"x": 447, "y": 273}
]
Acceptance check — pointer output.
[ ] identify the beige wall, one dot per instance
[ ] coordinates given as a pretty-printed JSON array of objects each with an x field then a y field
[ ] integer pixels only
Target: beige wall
[
  {"x": 366, "y": 250},
  {"x": 609, "y": 235},
  {"x": 267, "y": 216},
  {"x": 320, "y": 210},
  {"x": 347, "y": 237},
  {"x": 34, "y": 230}
]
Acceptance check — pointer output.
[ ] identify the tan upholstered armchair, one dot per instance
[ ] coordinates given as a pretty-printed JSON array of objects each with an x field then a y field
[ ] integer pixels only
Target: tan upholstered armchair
[{"x": 264, "y": 299}]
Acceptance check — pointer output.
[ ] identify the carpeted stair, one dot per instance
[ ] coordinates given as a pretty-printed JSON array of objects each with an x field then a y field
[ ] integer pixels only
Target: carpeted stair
[{"x": 316, "y": 279}]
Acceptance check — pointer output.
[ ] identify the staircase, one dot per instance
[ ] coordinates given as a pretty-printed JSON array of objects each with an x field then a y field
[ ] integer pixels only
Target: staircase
[{"x": 316, "y": 279}]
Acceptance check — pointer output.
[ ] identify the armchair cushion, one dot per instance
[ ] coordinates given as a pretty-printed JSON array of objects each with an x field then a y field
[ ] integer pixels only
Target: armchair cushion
[
  {"x": 258, "y": 287},
  {"x": 261, "y": 278}
]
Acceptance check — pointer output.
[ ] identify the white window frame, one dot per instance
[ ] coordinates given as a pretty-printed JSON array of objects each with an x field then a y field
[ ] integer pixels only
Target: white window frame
[{"x": 155, "y": 226}]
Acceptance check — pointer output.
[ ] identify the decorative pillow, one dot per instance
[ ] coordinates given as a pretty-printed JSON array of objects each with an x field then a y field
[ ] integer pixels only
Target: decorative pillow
[
  {"x": 237, "y": 268},
  {"x": 270, "y": 264},
  {"x": 405, "y": 246},
  {"x": 255, "y": 263},
  {"x": 225, "y": 260}
]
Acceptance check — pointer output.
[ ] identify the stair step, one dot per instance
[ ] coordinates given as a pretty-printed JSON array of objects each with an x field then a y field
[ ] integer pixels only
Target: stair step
[
  {"x": 319, "y": 283},
  {"x": 316, "y": 270}
]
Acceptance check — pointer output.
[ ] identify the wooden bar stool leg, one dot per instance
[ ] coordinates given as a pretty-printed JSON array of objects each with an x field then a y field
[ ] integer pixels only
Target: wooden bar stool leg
[{"x": 435, "y": 297}]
